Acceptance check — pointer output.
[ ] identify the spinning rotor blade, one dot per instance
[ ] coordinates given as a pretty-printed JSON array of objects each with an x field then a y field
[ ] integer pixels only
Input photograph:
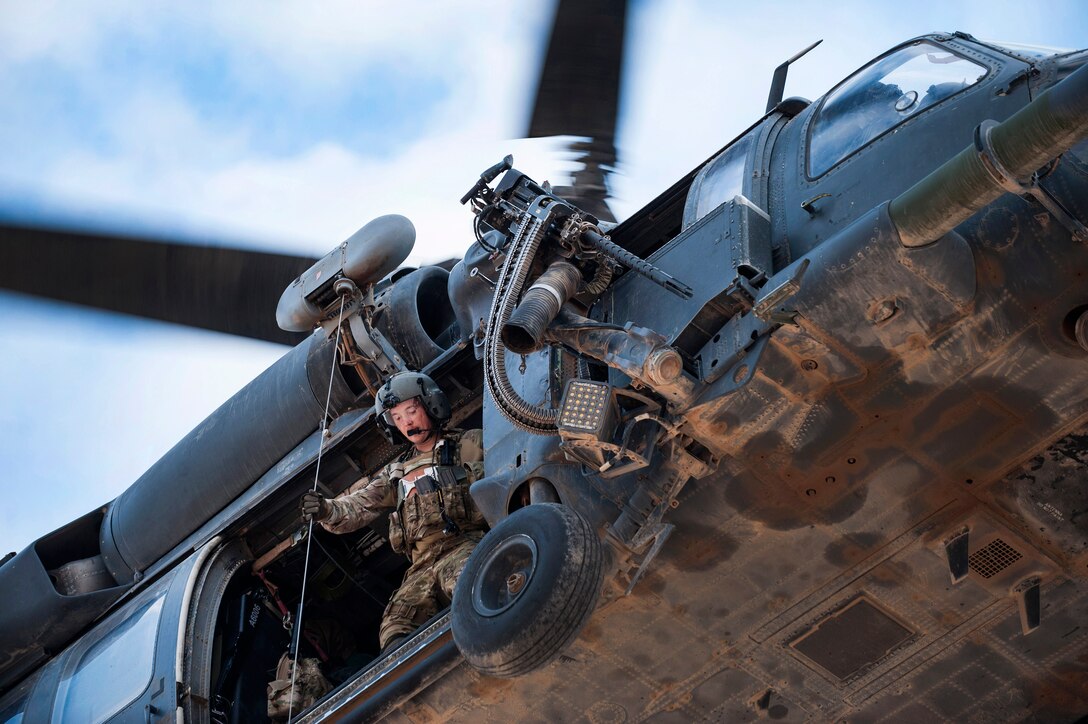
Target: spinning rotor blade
[
  {"x": 224, "y": 290},
  {"x": 578, "y": 93}
]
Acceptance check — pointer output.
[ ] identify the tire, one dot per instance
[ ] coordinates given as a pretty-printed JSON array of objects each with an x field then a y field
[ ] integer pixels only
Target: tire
[{"x": 552, "y": 559}]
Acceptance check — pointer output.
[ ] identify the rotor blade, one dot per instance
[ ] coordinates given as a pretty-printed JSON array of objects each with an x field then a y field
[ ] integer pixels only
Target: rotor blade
[
  {"x": 589, "y": 190},
  {"x": 224, "y": 290},
  {"x": 579, "y": 89}
]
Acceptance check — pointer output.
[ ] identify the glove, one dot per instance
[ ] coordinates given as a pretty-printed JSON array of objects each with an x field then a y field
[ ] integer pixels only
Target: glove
[{"x": 315, "y": 506}]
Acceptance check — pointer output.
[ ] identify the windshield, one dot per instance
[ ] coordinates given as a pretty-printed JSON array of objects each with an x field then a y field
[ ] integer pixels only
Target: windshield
[
  {"x": 884, "y": 94},
  {"x": 718, "y": 182}
]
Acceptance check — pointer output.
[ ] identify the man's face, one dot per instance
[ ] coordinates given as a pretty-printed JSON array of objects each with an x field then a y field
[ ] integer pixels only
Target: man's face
[{"x": 411, "y": 419}]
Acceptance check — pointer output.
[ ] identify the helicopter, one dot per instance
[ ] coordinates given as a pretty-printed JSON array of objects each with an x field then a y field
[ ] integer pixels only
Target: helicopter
[{"x": 882, "y": 367}]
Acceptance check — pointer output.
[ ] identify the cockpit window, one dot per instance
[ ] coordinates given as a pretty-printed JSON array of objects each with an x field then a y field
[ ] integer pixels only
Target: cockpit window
[
  {"x": 883, "y": 95},
  {"x": 719, "y": 181},
  {"x": 113, "y": 672}
]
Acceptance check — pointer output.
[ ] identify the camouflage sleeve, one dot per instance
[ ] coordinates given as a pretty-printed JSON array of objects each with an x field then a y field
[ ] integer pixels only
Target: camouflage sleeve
[
  {"x": 360, "y": 504},
  {"x": 472, "y": 453}
]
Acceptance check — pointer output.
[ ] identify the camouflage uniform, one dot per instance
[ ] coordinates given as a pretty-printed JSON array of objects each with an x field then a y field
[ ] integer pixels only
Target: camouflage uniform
[{"x": 418, "y": 528}]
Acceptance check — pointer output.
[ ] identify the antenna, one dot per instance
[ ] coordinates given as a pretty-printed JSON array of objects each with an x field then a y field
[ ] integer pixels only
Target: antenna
[{"x": 778, "y": 82}]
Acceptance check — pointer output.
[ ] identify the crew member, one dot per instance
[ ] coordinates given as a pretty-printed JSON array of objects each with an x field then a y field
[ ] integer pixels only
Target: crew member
[{"x": 434, "y": 520}]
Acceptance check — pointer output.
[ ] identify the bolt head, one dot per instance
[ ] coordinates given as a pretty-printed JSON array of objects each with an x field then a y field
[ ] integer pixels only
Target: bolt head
[
  {"x": 883, "y": 311},
  {"x": 1081, "y": 330},
  {"x": 515, "y": 582}
]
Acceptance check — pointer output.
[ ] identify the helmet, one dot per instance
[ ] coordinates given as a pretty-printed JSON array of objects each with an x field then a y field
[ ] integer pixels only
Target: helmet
[{"x": 405, "y": 386}]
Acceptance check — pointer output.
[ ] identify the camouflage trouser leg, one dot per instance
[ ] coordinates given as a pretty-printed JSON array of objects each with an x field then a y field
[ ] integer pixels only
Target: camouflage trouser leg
[
  {"x": 412, "y": 604},
  {"x": 449, "y": 566},
  {"x": 427, "y": 585}
]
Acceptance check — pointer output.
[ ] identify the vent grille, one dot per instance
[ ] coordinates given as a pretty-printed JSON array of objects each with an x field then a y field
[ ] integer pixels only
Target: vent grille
[{"x": 994, "y": 558}]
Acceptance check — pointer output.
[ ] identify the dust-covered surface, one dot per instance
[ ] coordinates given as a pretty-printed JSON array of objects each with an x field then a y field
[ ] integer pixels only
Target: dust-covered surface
[
  {"x": 861, "y": 444},
  {"x": 707, "y": 635}
]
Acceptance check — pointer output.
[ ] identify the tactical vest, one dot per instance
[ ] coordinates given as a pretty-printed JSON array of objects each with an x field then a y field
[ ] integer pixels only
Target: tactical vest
[{"x": 437, "y": 515}]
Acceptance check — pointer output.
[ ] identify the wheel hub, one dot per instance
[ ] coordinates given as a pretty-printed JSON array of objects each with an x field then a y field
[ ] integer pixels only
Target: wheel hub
[{"x": 504, "y": 575}]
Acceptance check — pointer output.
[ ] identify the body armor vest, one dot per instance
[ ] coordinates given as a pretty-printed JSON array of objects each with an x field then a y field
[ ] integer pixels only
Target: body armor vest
[{"x": 442, "y": 507}]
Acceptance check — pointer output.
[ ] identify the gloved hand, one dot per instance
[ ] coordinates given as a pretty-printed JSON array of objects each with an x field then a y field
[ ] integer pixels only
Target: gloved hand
[{"x": 315, "y": 505}]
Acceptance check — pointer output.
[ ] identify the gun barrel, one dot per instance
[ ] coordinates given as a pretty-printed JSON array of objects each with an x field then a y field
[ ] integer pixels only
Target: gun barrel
[
  {"x": 1045, "y": 128},
  {"x": 618, "y": 253}
]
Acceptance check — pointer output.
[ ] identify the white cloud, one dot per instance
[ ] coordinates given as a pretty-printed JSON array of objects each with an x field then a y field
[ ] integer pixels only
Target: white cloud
[
  {"x": 165, "y": 154},
  {"x": 699, "y": 74},
  {"x": 331, "y": 43},
  {"x": 92, "y": 400},
  {"x": 306, "y": 202},
  {"x": 322, "y": 48}
]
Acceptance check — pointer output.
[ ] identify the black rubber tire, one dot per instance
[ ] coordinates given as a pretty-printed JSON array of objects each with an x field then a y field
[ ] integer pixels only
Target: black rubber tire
[{"x": 535, "y": 626}]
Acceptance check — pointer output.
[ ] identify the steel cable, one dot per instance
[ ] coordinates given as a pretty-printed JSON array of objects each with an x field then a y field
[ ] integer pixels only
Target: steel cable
[{"x": 310, "y": 527}]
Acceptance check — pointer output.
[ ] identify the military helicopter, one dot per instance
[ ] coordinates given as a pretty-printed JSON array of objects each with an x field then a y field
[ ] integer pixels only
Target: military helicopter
[{"x": 797, "y": 347}]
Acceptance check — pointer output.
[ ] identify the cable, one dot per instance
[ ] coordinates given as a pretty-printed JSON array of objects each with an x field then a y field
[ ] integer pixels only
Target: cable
[
  {"x": 310, "y": 528},
  {"x": 479, "y": 234}
]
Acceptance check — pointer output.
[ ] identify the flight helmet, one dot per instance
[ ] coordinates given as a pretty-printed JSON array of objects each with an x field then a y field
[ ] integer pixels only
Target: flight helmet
[{"x": 404, "y": 386}]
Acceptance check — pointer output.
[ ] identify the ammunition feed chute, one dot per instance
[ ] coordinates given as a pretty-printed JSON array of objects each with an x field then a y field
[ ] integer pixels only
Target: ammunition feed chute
[
  {"x": 564, "y": 247},
  {"x": 523, "y": 249}
]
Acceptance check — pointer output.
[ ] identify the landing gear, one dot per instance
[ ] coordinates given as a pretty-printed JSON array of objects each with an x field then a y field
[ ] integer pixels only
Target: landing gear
[{"x": 527, "y": 590}]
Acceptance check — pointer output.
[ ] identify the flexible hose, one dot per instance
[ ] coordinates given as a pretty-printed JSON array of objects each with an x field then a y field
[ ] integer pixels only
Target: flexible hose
[{"x": 523, "y": 332}]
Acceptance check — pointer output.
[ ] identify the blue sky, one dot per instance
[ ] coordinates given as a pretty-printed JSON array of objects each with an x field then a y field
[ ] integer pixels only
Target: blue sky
[{"x": 289, "y": 125}]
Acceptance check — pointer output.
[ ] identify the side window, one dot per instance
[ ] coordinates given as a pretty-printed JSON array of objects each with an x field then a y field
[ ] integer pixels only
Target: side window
[
  {"x": 718, "y": 182},
  {"x": 114, "y": 671},
  {"x": 881, "y": 96}
]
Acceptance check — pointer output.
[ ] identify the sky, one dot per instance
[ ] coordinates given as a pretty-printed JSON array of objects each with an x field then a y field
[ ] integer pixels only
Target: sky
[{"x": 287, "y": 126}]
